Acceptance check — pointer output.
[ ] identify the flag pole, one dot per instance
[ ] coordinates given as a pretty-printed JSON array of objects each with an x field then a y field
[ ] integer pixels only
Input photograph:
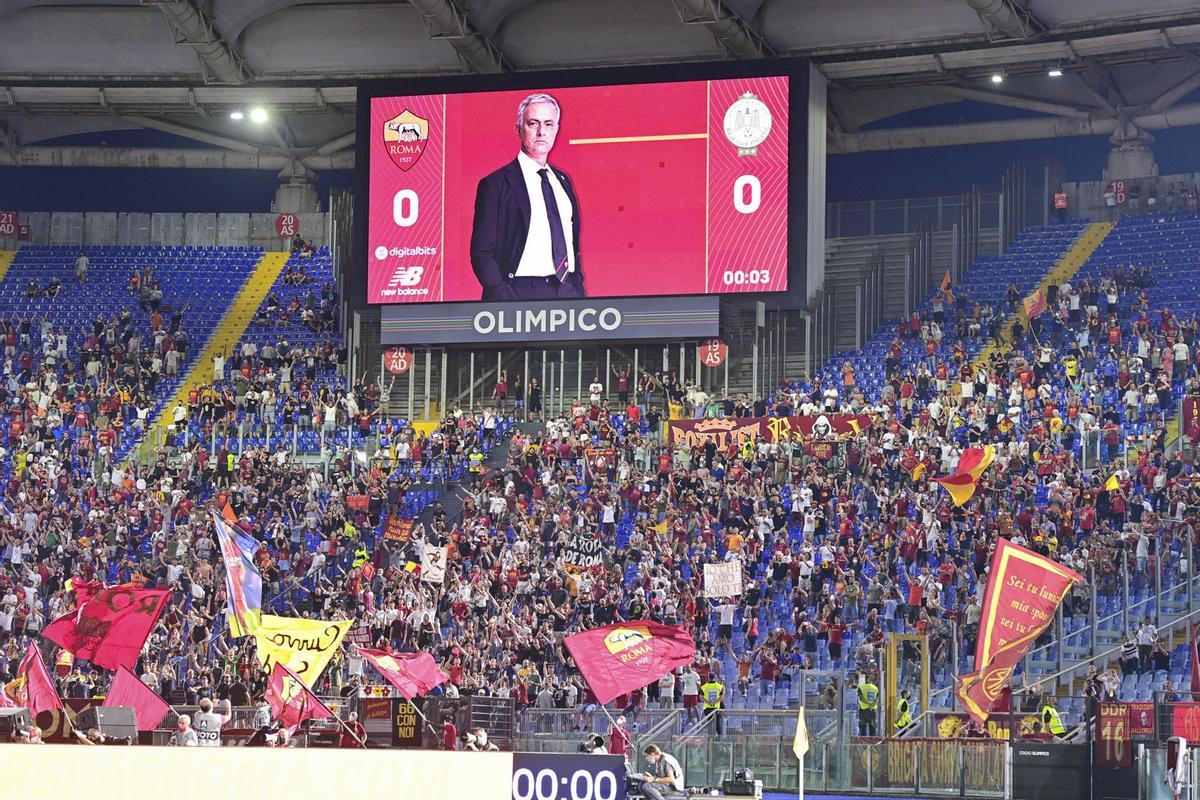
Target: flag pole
[{"x": 428, "y": 724}]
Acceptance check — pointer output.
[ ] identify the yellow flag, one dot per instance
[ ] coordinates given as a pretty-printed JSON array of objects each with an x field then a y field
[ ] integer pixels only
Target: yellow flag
[
  {"x": 800, "y": 743},
  {"x": 304, "y": 646},
  {"x": 1113, "y": 484}
]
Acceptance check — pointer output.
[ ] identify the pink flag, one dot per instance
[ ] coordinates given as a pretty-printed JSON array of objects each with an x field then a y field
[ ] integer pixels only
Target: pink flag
[
  {"x": 111, "y": 627},
  {"x": 412, "y": 673},
  {"x": 128, "y": 690},
  {"x": 33, "y": 687},
  {"x": 291, "y": 701}
]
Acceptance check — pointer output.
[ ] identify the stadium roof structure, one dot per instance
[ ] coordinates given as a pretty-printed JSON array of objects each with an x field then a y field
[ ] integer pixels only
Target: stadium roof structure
[{"x": 1121, "y": 67}]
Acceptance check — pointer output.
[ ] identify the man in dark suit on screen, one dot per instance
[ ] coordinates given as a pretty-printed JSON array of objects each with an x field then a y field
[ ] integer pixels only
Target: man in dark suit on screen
[{"x": 525, "y": 236}]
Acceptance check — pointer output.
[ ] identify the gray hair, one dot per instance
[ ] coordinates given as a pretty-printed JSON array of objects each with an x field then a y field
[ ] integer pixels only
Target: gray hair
[{"x": 536, "y": 97}]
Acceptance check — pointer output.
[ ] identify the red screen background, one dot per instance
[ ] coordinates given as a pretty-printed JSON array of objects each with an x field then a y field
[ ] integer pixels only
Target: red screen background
[{"x": 657, "y": 216}]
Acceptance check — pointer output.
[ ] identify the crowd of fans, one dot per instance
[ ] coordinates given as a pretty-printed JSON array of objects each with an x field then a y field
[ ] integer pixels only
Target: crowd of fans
[{"x": 836, "y": 552}]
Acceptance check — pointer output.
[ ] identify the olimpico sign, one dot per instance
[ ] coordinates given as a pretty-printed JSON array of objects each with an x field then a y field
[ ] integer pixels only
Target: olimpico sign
[
  {"x": 548, "y": 321},
  {"x": 554, "y": 320}
]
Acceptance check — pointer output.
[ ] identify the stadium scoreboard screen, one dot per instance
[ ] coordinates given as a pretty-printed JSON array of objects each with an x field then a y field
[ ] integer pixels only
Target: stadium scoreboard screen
[{"x": 600, "y": 203}]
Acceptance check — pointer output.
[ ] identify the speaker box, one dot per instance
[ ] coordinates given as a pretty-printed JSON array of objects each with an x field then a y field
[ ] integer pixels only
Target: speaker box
[
  {"x": 116, "y": 724},
  {"x": 13, "y": 719}
]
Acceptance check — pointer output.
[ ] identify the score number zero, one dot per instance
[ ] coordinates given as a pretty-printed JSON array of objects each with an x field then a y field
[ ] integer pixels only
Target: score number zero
[
  {"x": 747, "y": 197},
  {"x": 581, "y": 785}
]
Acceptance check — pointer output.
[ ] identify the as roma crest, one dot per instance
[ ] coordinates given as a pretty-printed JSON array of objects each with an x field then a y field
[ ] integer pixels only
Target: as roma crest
[
  {"x": 631, "y": 646},
  {"x": 405, "y": 137}
]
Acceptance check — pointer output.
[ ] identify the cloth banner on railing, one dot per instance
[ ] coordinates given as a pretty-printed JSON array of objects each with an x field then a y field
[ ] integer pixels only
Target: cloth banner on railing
[
  {"x": 735, "y": 430},
  {"x": 1024, "y": 590}
]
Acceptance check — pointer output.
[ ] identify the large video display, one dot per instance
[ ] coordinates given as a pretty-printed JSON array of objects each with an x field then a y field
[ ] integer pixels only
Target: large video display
[{"x": 558, "y": 193}]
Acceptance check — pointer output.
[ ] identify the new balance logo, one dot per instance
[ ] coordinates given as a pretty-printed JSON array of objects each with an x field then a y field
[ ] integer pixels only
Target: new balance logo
[{"x": 406, "y": 276}]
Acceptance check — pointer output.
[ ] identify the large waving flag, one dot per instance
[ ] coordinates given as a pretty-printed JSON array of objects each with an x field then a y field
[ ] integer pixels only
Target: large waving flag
[
  {"x": 290, "y": 699},
  {"x": 962, "y": 484},
  {"x": 243, "y": 583},
  {"x": 304, "y": 646},
  {"x": 33, "y": 687},
  {"x": 127, "y": 690},
  {"x": 616, "y": 659},
  {"x": 111, "y": 628},
  {"x": 1023, "y": 592},
  {"x": 413, "y": 674}
]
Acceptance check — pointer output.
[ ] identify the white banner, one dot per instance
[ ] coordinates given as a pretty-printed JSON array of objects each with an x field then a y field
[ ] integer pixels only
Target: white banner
[
  {"x": 433, "y": 564},
  {"x": 723, "y": 580}
]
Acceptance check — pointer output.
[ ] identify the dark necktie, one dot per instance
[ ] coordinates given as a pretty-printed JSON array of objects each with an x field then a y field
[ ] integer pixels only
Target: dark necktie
[{"x": 558, "y": 241}]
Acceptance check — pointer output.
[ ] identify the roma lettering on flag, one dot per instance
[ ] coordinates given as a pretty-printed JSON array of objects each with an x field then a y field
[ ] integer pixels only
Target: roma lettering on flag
[
  {"x": 304, "y": 646},
  {"x": 110, "y": 629},
  {"x": 414, "y": 674},
  {"x": 243, "y": 583},
  {"x": 616, "y": 659},
  {"x": 1034, "y": 304},
  {"x": 290, "y": 699},
  {"x": 127, "y": 690},
  {"x": 971, "y": 465},
  {"x": 1024, "y": 590}
]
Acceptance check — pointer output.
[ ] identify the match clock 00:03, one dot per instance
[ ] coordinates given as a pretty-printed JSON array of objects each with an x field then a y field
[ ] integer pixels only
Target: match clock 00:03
[{"x": 559, "y": 776}]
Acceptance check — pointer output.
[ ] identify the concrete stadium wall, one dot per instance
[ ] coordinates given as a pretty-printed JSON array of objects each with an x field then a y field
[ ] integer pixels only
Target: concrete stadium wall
[
  {"x": 186, "y": 773},
  {"x": 134, "y": 228}
]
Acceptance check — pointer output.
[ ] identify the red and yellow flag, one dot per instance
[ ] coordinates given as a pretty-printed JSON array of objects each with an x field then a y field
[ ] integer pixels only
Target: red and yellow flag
[
  {"x": 962, "y": 484},
  {"x": 1034, "y": 304},
  {"x": 1024, "y": 590}
]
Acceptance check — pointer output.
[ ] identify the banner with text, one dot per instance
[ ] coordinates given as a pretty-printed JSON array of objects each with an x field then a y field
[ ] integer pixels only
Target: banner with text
[
  {"x": 584, "y": 552},
  {"x": 735, "y": 430},
  {"x": 1023, "y": 592},
  {"x": 723, "y": 580}
]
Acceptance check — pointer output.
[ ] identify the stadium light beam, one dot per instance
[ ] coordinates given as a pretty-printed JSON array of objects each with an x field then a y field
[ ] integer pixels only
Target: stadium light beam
[
  {"x": 258, "y": 115},
  {"x": 1055, "y": 72},
  {"x": 997, "y": 77},
  {"x": 238, "y": 115}
]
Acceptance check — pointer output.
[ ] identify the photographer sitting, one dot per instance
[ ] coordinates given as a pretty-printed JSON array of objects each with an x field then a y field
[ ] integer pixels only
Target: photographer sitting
[{"x": 666, "y": 780}]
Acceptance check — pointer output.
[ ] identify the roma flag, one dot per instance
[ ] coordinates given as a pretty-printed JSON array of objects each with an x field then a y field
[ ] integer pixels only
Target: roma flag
[
  {"x": 1034, "y": 304},
  {"x": 304, "y": 646},
  {"x": 616, "y": 659},
  {"x": 1024, "y": 590},
  {"x": 243, "y": 583},
  {"x": 946, "y": 281},
  {"x": 962, "y": 484},
  {"x": 290, "y": 699},
  {"x": 413, "y": 674},
  {"x": 111, "y": 628},
  {"x": 127, "y": 690},
  {"x": 33, "y": 688}
]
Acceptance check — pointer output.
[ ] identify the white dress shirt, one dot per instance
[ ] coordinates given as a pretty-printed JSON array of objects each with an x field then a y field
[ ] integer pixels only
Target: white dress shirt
[{"x": 537, "y": 260}]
